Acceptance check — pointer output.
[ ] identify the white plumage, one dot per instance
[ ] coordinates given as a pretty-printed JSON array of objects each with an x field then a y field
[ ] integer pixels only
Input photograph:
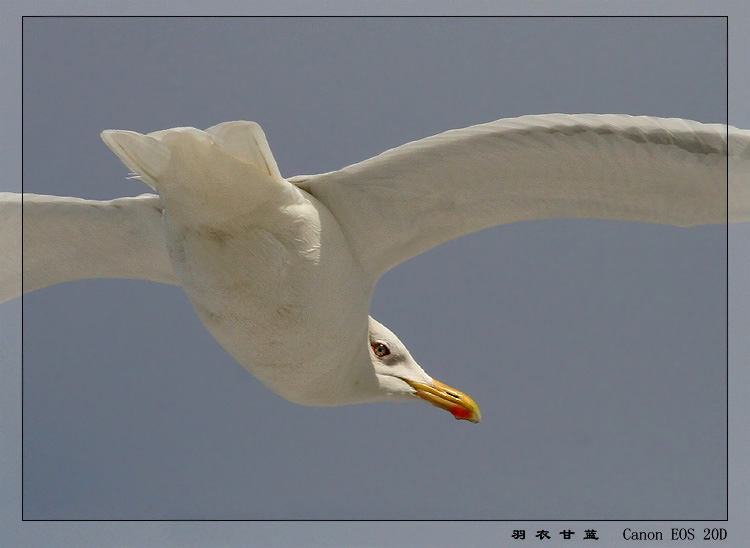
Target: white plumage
[{"x": 281, "y": 271}]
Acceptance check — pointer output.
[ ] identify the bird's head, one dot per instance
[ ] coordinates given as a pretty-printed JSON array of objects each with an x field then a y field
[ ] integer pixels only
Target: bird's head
[{"x": 400, "y": 376}]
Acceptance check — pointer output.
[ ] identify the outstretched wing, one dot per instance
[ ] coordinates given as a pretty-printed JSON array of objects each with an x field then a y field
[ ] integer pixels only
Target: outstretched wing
[
  {"x": 68, "y": 239},
  {"x": 414, "y": 197}
]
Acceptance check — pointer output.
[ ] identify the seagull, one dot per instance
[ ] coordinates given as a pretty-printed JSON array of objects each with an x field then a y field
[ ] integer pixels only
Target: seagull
[{"x": 281, "y": 271}]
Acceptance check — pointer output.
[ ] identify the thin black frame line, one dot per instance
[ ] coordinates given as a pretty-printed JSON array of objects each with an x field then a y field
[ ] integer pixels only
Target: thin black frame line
[
  {"x": 377, "y": 520},
  {"x": 377, "y": 16},
  {"x": 22, "y": 299},
  {"x": 726, "y": 19}
]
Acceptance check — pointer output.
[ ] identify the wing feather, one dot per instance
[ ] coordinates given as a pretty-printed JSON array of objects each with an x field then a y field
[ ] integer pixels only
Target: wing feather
[
  {"x": 417, "y": 196},
  {"x": 68, "y": 239}
]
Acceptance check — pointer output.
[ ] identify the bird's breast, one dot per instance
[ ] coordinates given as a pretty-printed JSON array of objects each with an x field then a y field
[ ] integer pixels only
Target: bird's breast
[{"x": 280, "y": 293}]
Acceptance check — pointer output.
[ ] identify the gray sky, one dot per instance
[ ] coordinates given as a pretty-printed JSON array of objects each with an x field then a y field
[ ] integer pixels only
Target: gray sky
[{"x": 595, "y": 349}]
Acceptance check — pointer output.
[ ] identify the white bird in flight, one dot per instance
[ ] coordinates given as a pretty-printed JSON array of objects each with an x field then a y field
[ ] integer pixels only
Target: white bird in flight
[{"x": 281, "y": 271}]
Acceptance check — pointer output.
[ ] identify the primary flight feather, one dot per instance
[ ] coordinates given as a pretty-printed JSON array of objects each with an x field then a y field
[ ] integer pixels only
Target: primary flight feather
[{"x": 281, "y": 271}]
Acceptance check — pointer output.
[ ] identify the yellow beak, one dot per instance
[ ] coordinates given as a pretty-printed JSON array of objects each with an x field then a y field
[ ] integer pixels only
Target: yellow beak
[{"x": 461, "y": 406}]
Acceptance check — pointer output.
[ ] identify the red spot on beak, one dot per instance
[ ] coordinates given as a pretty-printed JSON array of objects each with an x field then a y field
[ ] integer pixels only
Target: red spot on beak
[{"x": 461, "y": 413}]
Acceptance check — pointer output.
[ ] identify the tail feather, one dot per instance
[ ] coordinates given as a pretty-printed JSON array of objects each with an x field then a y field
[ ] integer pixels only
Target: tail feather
[
  {"x": 205, "y": 177},
  {"x": 246, "y": 141},
  {"x": 142, "y": 154}
]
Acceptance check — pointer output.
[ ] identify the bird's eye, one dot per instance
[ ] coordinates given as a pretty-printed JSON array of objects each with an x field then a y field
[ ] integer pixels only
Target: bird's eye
[{"x": 380, "y": 350}]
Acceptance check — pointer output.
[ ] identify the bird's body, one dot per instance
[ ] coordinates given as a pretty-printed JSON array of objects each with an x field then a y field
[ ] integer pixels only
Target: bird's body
[
  {"x": 265, "y": 265},
  {"x": 281, "y": 306},
  {"x": 261, "y": 286},
  {"x": 281, "y": 272}
]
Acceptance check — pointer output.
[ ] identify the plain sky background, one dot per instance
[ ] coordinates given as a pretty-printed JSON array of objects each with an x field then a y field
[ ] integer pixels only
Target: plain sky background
[{"x": 595, "y": 349}]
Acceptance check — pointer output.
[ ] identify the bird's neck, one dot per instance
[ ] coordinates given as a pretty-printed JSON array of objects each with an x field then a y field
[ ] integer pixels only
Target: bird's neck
[{"x": 352, "y": 382}]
